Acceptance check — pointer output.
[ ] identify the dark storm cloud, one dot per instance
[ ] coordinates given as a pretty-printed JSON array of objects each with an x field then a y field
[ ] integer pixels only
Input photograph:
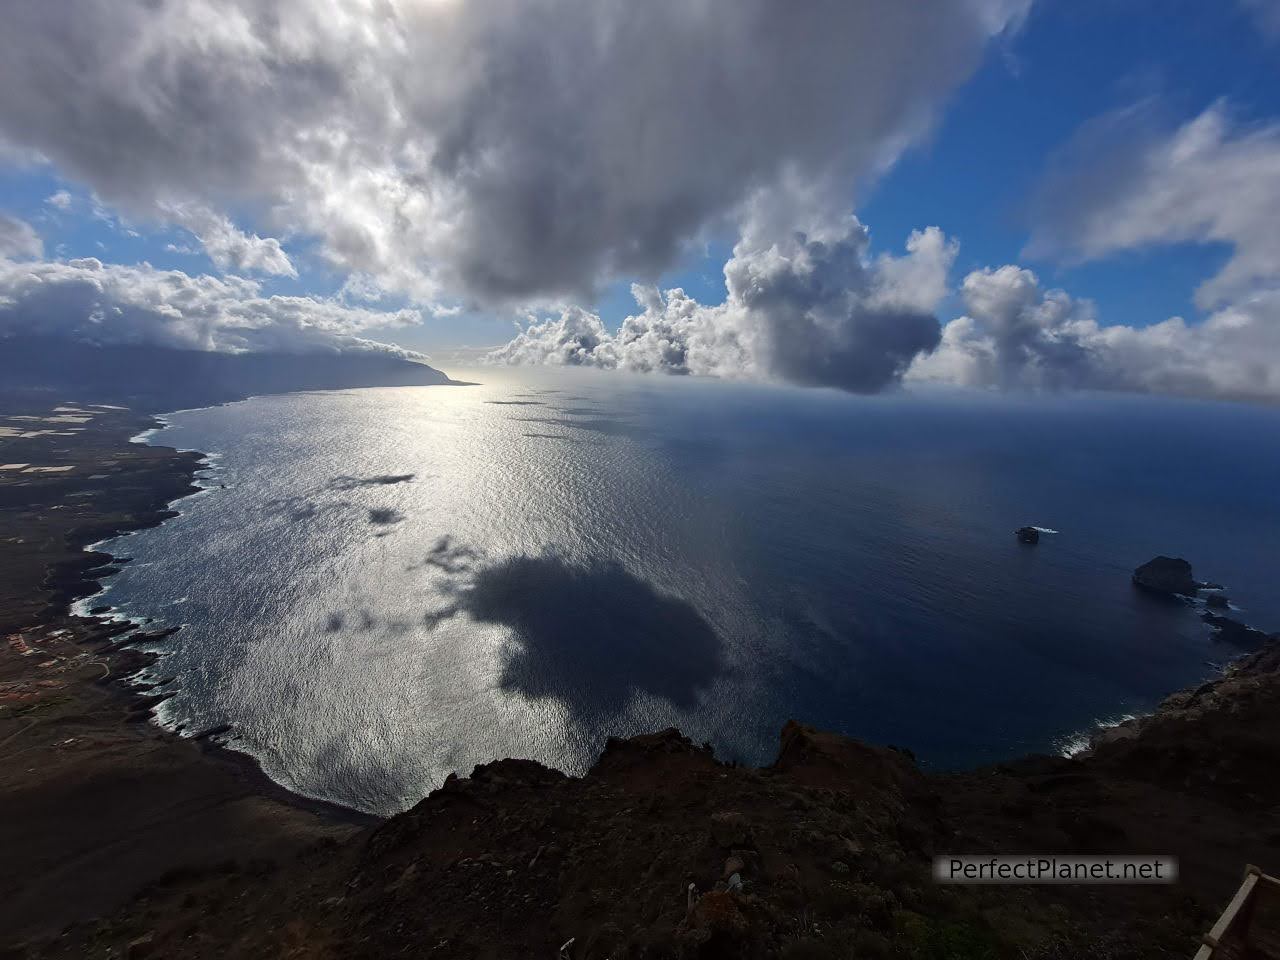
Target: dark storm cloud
[{"x": 500, "y": 151}]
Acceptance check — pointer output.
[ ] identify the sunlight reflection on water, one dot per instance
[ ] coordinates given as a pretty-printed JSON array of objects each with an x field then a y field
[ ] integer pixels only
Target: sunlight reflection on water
[{"x": 400, "y": 583}]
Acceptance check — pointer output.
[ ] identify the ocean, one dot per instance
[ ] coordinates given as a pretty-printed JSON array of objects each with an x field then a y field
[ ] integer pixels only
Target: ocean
[{"x": 380, "y": 587}]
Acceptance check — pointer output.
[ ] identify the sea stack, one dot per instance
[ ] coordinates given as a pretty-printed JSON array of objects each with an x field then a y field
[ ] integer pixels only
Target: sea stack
[
  {"x": 1170, "y": 576},
  {"x": 1027, "y": 535}
]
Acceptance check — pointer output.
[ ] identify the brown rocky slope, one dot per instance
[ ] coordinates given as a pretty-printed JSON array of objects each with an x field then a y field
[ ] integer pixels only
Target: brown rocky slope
[{"x": 833, "y": 841}]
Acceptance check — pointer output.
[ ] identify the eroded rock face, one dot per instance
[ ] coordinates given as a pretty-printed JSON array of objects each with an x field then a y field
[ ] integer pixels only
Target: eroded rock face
[
  {"x": 1170, "y": 576},
  {"x": 1027, "y": 535}
]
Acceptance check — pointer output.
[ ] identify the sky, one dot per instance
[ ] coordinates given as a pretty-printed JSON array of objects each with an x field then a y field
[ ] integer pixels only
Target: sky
[{"x": 1002, "y": 194}]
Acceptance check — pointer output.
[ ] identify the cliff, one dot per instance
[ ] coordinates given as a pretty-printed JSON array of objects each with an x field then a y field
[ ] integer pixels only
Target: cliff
[{"x": 831, "y": 844}]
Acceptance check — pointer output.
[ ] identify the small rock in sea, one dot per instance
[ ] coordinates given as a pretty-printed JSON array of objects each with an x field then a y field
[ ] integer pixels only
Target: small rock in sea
[
  {"x": 1027, "y": 535},
  {"x": 1217, "y": 600},
  {"x": 95, "y": 611},
  {"x": 1167, "y": 575}
]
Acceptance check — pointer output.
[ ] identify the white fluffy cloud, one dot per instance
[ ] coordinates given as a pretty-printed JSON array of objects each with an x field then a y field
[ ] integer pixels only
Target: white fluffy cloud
[
  {"x": 18, "y": 238},
  {"x": 60, "y": 200},
  {"x": 504, "y": 151},
  {"x": 91, "y": 301},
  {"x": 229, "y": 248},
  {"x": 1125, "y": 183},
  {"x": 811, "y": 310},
  {"x": 1015, "y": 334}
]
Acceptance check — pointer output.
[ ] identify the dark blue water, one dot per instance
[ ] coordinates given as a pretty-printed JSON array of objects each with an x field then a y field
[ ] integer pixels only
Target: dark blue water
[{"x": 399, "y": 583}]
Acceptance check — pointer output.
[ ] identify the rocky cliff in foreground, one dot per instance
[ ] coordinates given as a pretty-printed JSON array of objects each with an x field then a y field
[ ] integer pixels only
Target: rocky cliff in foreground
[{"x": 830, "y": 845}]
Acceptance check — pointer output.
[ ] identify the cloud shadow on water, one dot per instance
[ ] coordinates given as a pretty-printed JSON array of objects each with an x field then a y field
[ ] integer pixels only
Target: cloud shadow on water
[
  {"x": 591, "y": 636},
  {"x": 603, "y": 425},
  {"x": 347, "y": 482}
]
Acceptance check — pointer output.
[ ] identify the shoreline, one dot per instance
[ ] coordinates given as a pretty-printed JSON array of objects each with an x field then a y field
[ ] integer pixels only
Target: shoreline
[
  {"x": 76, "y": 736},
  {"x": 125, "y": 632}
]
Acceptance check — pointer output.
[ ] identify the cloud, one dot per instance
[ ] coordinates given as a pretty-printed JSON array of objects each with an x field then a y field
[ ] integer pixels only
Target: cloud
[
  {"x": 95, "y": 302},
  {"x": 18, "y": 238},
  {"x": 1126, "y": 183},
  {"x": 60, "y": 200},
  {"x": 810, "y": 310},
  {"x": 501, "y": 152},
  {"x": 1015, "y": 334},
  {"x": 1266, "y": 13},
  {"x": 229, "y": 248}
]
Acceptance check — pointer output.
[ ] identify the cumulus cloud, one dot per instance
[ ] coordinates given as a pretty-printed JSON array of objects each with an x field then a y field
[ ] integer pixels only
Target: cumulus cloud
[
  {"x": 506, "y": 151},
  {"x": 61, "y": 200},
  {"x": 228, "y": 247},
  {"x": 91, "y": 301},
  {"x": 18, "y": 238},
  {"x": 1016, "y": 334},
  {"x": 1126, "y": 182},
  {"x": 812, "y": 310}
]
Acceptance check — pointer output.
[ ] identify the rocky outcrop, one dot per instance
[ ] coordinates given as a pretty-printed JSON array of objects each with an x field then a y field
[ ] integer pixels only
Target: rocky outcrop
[
  {"x": 1027, "y": 535},
  {"x": 1170, "y": 576},
  {"x": 1219, "y": 740},
  {"x": 663, "y": 851},
  {"x": 1239, "y": 635}
]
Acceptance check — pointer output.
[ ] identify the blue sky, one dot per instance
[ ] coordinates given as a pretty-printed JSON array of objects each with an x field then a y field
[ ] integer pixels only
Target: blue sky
[{"x": 560, "y": 206}]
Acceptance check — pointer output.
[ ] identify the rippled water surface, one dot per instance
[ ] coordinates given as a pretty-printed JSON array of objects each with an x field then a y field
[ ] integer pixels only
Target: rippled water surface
[{"x": 399, "y": 583}]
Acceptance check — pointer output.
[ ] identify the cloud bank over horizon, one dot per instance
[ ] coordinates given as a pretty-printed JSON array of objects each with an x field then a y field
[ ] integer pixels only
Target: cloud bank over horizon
[
  {"x": 808, "y": 311},
  {"x": 95, "y": 302},
  {"x": 1018, "y": 335}
]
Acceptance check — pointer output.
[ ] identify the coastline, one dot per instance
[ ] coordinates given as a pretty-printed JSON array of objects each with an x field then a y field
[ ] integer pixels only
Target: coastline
[
  {"x": 191, "y": 809},
  {"x": 80, "y": 587},
  {"x": 91, "y": 791}
]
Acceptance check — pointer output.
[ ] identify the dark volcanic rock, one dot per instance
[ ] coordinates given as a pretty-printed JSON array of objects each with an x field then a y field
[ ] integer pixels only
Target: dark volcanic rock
[
  {"x": 1027, "y": 535},
  {"x": 1236, "y": 633},
  {"x": 1167, "y": 575},
  {"x": 1218, "y": 601}
]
